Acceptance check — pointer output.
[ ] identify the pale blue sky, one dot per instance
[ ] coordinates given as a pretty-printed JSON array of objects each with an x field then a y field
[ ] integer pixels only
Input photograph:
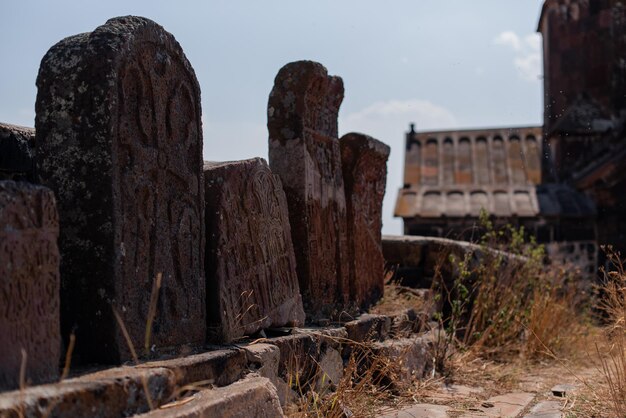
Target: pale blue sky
[{"x": 439, "y": 63}]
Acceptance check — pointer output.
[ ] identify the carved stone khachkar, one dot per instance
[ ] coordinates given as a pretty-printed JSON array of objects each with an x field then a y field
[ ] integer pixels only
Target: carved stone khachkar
[
  {"x": 364, "y": 164},
  {"x": 29, "y": 284},
  {"x": 304, "y": 152},
  {"x": 119, "y": 140},
  {"x": 16, "y": 153},
  {"x": 250, "y": 262}
]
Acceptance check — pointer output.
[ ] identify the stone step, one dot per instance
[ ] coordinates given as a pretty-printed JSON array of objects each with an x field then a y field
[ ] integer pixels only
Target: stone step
[
  {"x": 253, "y": 396},
  {"x": 419, "y": 411},
  {"x": 545, "y": 409},
  {"x": 120, "y": 391},
  {"x": 312, "y": 355},
  {"x": 509, "y": 405}
]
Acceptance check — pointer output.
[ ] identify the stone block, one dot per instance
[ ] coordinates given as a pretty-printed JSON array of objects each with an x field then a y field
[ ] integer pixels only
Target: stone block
[
  {"x": 419, "y": 411},
  {"x": 29, "y": 284},
  {"x": 330, "y": 369},
  {"x": 303, "y": 353},
  {"x": 17, "y": 159},
  {"x": 250, "y": 262},
  {"x": 118, "y": 392},
  {"x": 546, "y": 409},
  {"x": 509, "y": 405},
  {"x": 264, "y": 359},
  {"x": 253, "y": 396},
  {"x": 368, "y": 327},
  {"x": 407, "y": 322},
  {"x": 219, "y": 367},
  {"x": 297, "y": 355},
  {"x": 364, "y": 166},
  {"x": 405, "y": 250},
  {"x": 431, "y": 253},
  {"x": 119, "y": 141},
  {"x": 412, "y": 357},
  {"x": 304, "y": 152},
  {"x": 121, "y": 391},
  {"x": 563, "y": 390}
]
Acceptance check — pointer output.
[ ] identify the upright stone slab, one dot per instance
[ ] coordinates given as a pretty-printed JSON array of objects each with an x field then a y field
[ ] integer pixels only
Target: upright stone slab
[
  {"x": 304, "y": 152},
  {"x": 120, "y": 142},
  {"x": 29, "y": 284},
  {"x": 364, "y": 164},
  {"x": 17, "y": 153},
  {"x": 250, "y": 262}
]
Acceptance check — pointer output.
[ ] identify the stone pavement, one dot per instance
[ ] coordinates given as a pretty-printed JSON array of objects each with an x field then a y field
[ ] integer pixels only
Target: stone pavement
[{"x": 509, "y": 405}]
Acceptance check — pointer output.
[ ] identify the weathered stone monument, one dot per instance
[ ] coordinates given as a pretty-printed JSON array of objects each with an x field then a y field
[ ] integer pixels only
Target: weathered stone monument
[
  {"x": 364, "y": 164},
  {"x": 29, "y": 284},
  {"x": 304, "y": 152},
  {"x": 250, "y": 262},
  {"x": 17, "y": 153},
  {"x": 119, "y": 140}
]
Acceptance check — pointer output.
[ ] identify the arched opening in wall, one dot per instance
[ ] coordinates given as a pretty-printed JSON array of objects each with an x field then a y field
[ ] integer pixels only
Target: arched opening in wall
[
  {"x": 448, "y": 161},
  {"x": 501, "y": 203},
  {"x": 533, "y": 160},
  {"x": 523, "y": 203},
  {"x": 430, "y": 167},
  {"x": 464, "y": 159},
  {"x": 412, "y": 163},
  {"x": 482, "y": 161},
  {"x": 406, "y": 206},
  {"x": 498, "y": 160},
  {"x": 455, "y": 204},
  {"x": 516, "y": 161},
  {"x": 478, "y": 201},
  {"x": 431, "y": 204}
]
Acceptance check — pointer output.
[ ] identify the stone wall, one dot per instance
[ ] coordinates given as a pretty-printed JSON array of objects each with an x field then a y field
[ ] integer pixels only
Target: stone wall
[
  {"x": 153, "y": 253},
  {"x": 577, "y": 257}
]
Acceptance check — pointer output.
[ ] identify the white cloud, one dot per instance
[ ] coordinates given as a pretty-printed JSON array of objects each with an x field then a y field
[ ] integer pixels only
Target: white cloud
[
  {"x": 529, "y": 66},
  {"x": 510, "y": 39},
  {"x": 527, "y": 50},
  {"x": 533, "y": 41},
  {"x": 388, "y": 121},
  {"x": 386, "y": 117}
]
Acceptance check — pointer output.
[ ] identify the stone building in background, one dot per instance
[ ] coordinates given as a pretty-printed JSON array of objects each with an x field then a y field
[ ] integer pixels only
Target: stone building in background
[
  {"x": 584, "y": 55},
  {"x": 564, "y": 182},
  {"x": 450, "y": 176}
]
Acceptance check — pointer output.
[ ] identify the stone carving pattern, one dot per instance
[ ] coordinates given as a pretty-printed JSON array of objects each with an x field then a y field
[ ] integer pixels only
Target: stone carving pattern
[
  {"x": 365, "y": 174},
  {"x": 29, "y": 283},
  {"x": 159, "y": 189},
  {"x": 255, "y": 259},
  {"x": 326, "y": 212},
  {"x": 316, "y": 202}
]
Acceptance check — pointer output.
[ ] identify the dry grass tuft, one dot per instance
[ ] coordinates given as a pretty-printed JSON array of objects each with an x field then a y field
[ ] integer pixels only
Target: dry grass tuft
[
  {"x": 613, "y": 357},
  {"x": 131, "y": 347},
  {"x": 500, "y": 304},
  {"x": 372, "y": 383},
  {"x": 398, "y": 298}
]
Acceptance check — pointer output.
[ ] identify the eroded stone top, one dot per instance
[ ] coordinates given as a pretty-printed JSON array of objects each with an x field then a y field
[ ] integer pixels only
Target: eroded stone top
[
  {"x": 304, "y": 97},
  {"x": 16, "y": 152}
]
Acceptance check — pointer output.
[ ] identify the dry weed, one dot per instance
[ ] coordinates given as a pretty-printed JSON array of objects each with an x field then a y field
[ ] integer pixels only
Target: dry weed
[
  {"x": 613, "y": 305},
  {"x": 372, "y": 383},
  {"x": 497, "y": 302}
]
